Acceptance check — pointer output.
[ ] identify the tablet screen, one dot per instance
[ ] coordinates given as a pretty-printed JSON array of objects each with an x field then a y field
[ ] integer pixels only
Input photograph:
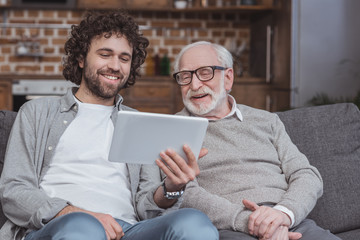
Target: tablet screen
[{"x": 140, "y": 137}]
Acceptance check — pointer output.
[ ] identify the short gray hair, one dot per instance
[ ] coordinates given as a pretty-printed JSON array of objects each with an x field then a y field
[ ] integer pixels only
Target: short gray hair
[{"x": 224, "y": 56}]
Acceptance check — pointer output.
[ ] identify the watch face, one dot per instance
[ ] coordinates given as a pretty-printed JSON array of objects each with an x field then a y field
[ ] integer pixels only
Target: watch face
[{"x": 172, "y": 195}]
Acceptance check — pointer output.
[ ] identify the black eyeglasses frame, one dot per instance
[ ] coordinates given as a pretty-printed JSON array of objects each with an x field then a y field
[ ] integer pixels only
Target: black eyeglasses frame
[{"x": 194, "y": 71}]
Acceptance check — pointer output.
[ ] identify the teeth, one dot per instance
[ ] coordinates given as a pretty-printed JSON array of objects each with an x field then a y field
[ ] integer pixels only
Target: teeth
[
  {"x": 199, "y": 96},
  {"x": 111, "y": 77}
]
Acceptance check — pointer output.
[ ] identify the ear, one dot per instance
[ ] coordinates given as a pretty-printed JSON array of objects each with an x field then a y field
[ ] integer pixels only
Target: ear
[
  {"x": 228, "y": 79},
  {"x": 81, "y": 62}
]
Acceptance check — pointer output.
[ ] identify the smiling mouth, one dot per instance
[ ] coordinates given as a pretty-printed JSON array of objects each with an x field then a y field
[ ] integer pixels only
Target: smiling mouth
[
  {"x": 199, "y": 96},
  {"x": 111, "y": 77}
]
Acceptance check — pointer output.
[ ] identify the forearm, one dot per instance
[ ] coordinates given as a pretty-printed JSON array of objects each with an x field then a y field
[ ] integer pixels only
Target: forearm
[
  {"x": 30, "y": 208},
  {"x": 302, "y": 196},
  {"x": 150, "y": 201},
  {"x": 70, "y": 209},
  {"x": 304, "y": 181},
  {"x": 223, "y": 213}
]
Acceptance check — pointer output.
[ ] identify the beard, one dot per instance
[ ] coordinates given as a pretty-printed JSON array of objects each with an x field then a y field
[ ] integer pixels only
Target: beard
[
  {"x": 205, "y": 108},
  {"x": 101, "y": 89}
]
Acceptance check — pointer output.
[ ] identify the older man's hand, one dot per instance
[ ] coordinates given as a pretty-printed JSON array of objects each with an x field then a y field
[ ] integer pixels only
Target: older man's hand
[
  {"x": 267, "y": 223},
  {"x": 178, "y": 172}
]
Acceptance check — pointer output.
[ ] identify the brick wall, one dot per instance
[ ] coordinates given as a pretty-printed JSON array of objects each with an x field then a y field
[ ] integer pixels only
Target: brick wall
[{"x": 168, "y": 32}]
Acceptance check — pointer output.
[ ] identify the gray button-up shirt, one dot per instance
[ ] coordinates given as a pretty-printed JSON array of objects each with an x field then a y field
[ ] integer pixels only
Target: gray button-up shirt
[{"x": 36, "y": 131}]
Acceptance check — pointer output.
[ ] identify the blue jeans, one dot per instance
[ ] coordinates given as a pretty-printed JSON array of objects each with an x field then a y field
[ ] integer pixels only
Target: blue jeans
[{"x": 182, "y": 224}]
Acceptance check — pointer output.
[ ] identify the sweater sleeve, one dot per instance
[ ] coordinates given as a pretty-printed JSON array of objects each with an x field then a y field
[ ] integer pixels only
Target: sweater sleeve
[
  {"x": 150, "y": 180},
  {"x": 23, "y": 202},
  {"x": 304, "y": 180},
  {"x": 223, "y": 213}
]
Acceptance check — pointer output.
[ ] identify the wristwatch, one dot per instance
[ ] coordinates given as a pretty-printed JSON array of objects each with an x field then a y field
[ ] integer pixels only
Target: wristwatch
[{"x": 172, "y": 195}]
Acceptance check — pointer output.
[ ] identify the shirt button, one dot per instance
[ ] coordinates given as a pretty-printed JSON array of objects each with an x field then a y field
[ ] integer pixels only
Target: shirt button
[
  {"x": 75, "y": 107},
  {"x": 50, "y": 148},
  {"x": 65, "y": 122}
]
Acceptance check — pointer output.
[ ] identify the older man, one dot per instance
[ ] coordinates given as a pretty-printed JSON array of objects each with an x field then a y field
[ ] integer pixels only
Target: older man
[{"x": 253, "y": 183}]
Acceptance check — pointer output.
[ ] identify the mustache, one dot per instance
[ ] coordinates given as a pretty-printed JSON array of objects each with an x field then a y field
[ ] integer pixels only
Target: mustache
[{"x": 204, "y": 90}]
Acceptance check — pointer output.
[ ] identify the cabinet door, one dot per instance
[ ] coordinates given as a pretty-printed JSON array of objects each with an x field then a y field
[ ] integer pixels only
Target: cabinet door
[
  {"x": 149, "y": 95},
  {"x": 5, "y": 95},
  {"x": 261, "y": 96},
  {"x": 257, "y": 96}
]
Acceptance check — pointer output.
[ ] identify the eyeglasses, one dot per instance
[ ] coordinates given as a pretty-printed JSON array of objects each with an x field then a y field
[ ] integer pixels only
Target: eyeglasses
[{"x": 202, "y": 73}]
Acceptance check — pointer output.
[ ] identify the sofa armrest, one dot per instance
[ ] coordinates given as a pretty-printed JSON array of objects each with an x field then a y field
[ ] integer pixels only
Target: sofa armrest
[
  {"x": 329, "y": 136},
  {"x": 6, "y": 121}
]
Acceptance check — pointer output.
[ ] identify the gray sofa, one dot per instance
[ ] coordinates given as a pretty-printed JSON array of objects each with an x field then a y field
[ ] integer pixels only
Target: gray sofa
[{"x": 330, "y": 137}]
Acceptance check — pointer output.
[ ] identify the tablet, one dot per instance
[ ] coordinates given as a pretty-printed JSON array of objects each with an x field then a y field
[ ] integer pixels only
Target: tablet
[{"x": 139, "y": 137}]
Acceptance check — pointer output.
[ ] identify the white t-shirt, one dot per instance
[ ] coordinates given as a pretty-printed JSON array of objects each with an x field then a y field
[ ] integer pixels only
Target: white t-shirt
[{"x": 80, "y": 171}]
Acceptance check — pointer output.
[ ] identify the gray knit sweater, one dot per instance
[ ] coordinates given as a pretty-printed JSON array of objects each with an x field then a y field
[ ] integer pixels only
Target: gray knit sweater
[{"x": 252, "y": 159}]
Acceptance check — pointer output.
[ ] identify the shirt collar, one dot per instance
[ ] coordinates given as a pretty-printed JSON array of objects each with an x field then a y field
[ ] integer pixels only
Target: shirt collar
[
  {"x": 234, "y": 109},
  {"x": 68, "y": 102}
]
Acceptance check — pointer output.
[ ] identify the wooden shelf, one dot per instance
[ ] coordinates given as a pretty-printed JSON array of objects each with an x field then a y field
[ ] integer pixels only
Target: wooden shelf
[
  {"x": 255, "y": 8},
  {"x": 168, "y": 6}
]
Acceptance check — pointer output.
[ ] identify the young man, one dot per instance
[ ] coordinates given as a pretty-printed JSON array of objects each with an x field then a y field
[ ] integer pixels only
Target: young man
[
  {"x": 253, "y": 183},
  {"x": 57, "y": 181}
]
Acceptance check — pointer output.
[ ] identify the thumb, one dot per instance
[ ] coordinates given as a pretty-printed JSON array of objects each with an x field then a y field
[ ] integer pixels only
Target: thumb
[
  {"x": 294, "y": 235},
  {"x": 250, "y": 205},
  {"x": 203, "y": 152}
]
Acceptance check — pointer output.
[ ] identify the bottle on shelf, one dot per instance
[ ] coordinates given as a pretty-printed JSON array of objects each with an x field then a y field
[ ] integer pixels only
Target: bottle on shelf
[
  {"x": 156, "y": 66},
  {"x": 149, "y": 66},
  {"x": 204, "y": 3},
  {"x": 165, "y": 66}
]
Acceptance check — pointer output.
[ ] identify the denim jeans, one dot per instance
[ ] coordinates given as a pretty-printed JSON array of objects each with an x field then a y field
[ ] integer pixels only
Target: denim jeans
[{"x": 182, "y": 224}]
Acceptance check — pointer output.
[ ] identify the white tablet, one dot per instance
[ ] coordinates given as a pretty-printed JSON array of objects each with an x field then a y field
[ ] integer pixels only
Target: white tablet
[{"x": 139, "y": 137}]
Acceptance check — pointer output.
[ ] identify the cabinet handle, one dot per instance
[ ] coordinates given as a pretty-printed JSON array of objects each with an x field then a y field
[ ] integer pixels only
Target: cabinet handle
[
  {"x": 268, "y": 53},
  {"x": 268, "y": 102},
  {"x": 151, "y": 91}
]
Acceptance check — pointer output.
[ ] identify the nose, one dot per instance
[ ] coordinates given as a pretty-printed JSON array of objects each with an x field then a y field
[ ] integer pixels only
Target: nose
[
  {"x": 195, "y": 83},
  {"x": 114, "y": 64}
]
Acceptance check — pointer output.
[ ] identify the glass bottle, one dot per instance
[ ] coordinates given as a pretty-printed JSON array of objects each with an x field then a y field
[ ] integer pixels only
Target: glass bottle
[
  {"x": 156, "y": 66},
  {"x": 149, "y": 66},
  {"x": 165, "y": 66}
]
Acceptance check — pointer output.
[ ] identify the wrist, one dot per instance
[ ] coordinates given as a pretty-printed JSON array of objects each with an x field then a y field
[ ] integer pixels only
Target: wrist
[
  {"x": 172, "y": 194},
  {"x": 288, "y": 213}
]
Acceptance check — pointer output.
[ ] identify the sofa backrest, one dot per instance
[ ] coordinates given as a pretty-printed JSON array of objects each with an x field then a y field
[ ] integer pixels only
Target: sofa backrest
[
  {"x": 6, "y": 121},
  {"x": 330, "y": 137}
]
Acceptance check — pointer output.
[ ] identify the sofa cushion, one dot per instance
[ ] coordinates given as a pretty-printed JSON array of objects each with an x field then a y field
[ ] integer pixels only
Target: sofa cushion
[
  {"x": 6, "y": 121},
  {"x": 350, "y": 235},
  {"x": 330, "y": 137}
]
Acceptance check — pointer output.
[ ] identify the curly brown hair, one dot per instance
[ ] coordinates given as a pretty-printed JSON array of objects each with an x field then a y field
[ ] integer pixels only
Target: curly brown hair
[{"x": 97, "y": 23}]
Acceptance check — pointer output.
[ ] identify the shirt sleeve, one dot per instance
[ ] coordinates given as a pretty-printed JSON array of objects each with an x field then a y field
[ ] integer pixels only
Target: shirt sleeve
[
  {"x": 150, "y": 180},
  {"x": 23, "y": 202},
  {"x": 288, "y": 212}
]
